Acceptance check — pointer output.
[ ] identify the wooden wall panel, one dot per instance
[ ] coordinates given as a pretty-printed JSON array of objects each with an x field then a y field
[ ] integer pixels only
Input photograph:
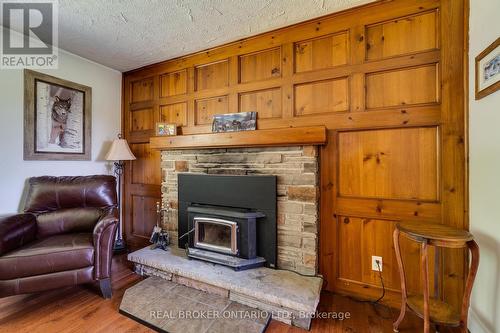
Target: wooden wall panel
[
  {"x": 141, "y": 120},
  {"x": 267, "y": 103},
  {"x": 402, "y": 36},
  {"x": 174, "y": 113},
  {"x": 376, "y": 240},
  {"x": 402, "y": 87},
  {"x": 206, "y": 108},
  {"x": 321, "y": 97},
  {"x": 390, "y": 163},
  {"x": 454, "y": 117},
  {"x": 144, "y": 215},
  {"x": 145, "y": 169},
  {"x": 142, "y": 90},
  {"x": 142, "y": 176},
  {"x": 322, "y": 53},
  {"x": 172, "y": 84},
  {"x": 359, "y": 240},
  {"x": 260, "y": 66},
  {"x": 212, "y": 76},
  {"x": 383, "y": 78},
  {"x": 362, "y": 238},
  {"x": 349, "y": 245}
]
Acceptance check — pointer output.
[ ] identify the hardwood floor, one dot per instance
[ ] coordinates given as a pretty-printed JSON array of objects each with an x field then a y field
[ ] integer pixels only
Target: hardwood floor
[{"x": 82, "y": 309}]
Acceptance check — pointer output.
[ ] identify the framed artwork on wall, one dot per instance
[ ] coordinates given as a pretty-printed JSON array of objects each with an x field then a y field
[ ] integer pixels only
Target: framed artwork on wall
[
  {"x": 57, "y": 118},
  {"x": 488, "y": 70},
  {"x": 234, "y": 122}
]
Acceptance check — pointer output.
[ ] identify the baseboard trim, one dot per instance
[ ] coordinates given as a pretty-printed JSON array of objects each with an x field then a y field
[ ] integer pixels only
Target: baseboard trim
[{"x": 475, "y": 323}]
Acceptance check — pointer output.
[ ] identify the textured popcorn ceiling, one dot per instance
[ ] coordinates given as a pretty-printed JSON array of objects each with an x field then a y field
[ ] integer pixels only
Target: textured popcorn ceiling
[{"x": 127, "y": 34}]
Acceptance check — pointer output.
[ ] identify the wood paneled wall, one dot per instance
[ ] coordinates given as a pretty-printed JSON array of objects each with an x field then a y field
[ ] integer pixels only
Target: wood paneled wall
[{"x": 386, "y": 79}]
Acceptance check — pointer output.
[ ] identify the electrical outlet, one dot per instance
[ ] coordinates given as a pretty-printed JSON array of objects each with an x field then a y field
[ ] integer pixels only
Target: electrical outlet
[{"x": 375, "y": 267}]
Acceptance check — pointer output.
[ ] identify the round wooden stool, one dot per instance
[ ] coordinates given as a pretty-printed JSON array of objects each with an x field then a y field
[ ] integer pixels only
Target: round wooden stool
[{"x": 433, "y": 309}]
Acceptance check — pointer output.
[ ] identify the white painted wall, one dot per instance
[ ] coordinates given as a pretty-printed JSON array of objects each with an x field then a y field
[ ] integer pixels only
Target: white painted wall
[
  {"x": 484, "y": 147},
  {"x": 106, "y": 123}
]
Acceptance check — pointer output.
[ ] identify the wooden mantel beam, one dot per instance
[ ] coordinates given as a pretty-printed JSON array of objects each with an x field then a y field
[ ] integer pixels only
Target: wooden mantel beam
[{"x": 294, "y": 136}]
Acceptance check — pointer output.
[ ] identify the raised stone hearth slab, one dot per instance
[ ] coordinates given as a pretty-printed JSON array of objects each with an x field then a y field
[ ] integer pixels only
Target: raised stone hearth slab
[{"x": 289, "y": 296}]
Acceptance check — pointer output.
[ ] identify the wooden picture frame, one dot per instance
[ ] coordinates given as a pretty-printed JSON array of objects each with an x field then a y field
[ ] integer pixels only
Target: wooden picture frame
[
  {"x": 234, "y": 122},
  {"x": 489, "y": 58},
  {"x": 57, "y": 119},
  {"x": 165, "y": 129}
]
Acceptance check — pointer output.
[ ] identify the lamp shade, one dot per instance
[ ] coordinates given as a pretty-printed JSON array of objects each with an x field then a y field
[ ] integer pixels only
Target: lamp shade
[{"x": 120, "y": 151}]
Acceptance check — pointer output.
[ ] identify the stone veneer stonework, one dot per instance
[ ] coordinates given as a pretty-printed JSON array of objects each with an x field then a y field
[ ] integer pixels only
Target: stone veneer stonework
[{"x": 296, "y": 169}]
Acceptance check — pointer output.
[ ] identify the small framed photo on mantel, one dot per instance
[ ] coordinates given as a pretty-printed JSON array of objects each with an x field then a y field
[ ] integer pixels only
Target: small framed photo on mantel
[
  {"x": 166, "y": 129},
  {"x": 57, "y": 118},
  {"x": 488, "y": 70}
]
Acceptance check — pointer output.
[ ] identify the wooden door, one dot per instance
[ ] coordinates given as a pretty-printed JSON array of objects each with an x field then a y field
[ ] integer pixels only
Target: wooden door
[{"x": 142, "y": 186}]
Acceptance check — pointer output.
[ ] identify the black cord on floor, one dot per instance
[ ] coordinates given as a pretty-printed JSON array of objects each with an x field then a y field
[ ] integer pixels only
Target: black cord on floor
[
  {"x": 375, "y": 302},
  {"x": 381, "y": 282},
  {"x": 383, "y": 289}
]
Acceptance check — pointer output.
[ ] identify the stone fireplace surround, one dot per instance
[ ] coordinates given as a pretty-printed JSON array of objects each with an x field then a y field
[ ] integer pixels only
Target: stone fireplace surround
[
  {"x": 296, "y": 168},
  {"x": 289, "y": 297}
]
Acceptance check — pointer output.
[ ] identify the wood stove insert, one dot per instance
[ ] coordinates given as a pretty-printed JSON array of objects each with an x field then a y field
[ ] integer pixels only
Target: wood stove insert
[{"x": 229, "y": 220}]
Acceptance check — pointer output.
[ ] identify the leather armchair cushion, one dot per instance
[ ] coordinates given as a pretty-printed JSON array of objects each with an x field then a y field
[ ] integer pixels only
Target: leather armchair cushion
[
  {"x": 47, "y": 194},
  {"x": 16, "y": 230},
  {"x": 37, "y": 283},
  {"x": 104, "y": 235},
  {"x": 53, "y": 254},
  {"x": 68, "y": 221}
]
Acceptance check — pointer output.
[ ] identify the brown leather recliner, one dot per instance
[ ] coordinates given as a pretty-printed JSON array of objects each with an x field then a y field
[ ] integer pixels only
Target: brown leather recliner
[{"x": 65, "y": 237}]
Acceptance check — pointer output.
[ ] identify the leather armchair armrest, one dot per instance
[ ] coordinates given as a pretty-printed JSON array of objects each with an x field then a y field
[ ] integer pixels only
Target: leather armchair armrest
[
  {"x": 104, "y": 238},
  {"x": 16, "y": 230}
]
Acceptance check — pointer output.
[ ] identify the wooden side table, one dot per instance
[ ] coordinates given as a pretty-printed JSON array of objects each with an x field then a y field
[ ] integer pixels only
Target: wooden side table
[{"x": 433, "y": 309}]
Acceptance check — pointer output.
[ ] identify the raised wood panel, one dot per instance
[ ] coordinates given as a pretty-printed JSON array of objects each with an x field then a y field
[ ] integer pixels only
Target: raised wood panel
[
  {"x": 174, "y": 113},
  {"x": 141, "y": 120},
  {"x": 402, "y": 87},
  {"x": 205, "y": 109},
  {"x": 361, "y": 238},
  {"x": 321, "y": 97},
  {"x": 321, "y": 53},
  {"x": 212, "y": 76},
  {"x": 374, "y": 236},
  {"x": 267, "y": 103},
  {"x": 141, "y": 90},
  {"x": 146, "y": 168},
  {"x": 172, "y": 84},
  {"x": 260, "y": 66},
  {"x": 402, "y": 36},
  {"x": 389, "y": 163},
  {"x": 143, "y": 215},
  {"x": 349, "y": 241}
]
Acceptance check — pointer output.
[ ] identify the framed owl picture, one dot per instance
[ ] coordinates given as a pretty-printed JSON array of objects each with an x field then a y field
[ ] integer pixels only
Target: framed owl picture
[{"x": 57, "y": 118}]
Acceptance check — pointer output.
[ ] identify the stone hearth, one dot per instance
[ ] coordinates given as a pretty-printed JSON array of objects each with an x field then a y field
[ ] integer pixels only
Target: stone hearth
[
  {"x": 289, "y": 297},
  {"x": 296, "y": 169}
]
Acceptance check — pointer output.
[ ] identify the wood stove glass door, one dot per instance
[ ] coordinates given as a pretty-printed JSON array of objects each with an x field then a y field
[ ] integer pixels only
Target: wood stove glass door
[{"x": 216, "y": 235}]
